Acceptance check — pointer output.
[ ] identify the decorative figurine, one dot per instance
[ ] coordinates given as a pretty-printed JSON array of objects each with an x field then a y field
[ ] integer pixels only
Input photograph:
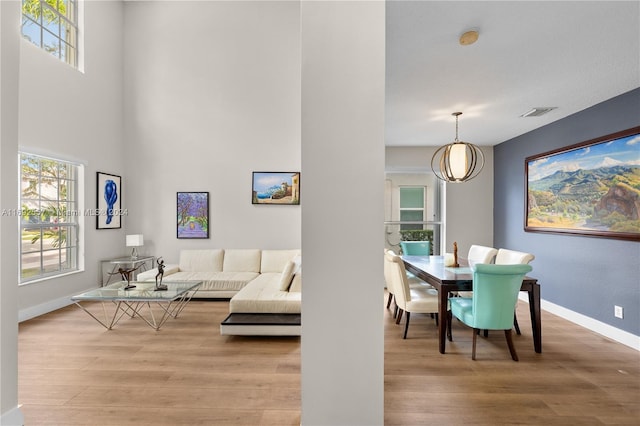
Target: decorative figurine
[
  {"x": 160, "y": 286},
  {"x": 455, "y": 255},
  {"x": 126, "y": 276}
]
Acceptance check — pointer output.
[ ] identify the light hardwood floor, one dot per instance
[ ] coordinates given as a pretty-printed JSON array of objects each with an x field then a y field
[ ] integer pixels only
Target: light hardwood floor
[{"x": 74, "y": 372}]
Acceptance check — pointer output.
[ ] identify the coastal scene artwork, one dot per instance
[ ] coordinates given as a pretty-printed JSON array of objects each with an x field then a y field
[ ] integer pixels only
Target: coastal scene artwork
[
  {"x": 276, "y": 188},
  {"x": 193, "y": 215},
  {"x": 591, "y": 188},
  {"x": 108, "y": 192}
]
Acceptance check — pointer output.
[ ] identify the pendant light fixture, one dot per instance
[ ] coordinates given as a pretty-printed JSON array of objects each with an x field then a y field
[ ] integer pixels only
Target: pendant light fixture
[{"x": 458, "y": 161}]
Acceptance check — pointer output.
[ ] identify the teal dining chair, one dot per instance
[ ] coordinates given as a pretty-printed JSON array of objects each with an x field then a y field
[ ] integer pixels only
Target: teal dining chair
[
  {"x": 492, "y": 305},
  {"x": 416, "y": 248}
]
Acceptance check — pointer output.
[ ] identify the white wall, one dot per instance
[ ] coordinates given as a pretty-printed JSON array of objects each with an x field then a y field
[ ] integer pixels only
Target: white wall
[
  {"x": 343, "y": 158},
  {"x": 461, "y": 198},
  {"x": 77, "y": 116},
  {"x": 212, "y": 93}
]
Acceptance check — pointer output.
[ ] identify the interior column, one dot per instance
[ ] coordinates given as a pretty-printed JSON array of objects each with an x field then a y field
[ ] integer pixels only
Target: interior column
[{"x": 342, "y": 190}]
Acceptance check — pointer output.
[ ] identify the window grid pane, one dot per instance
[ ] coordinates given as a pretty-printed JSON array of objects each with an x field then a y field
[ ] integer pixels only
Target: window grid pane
[
  {"x": 49, "y": 217},
  {"x": 412, "y": 198},
  {"x": 52, "y": 25}
]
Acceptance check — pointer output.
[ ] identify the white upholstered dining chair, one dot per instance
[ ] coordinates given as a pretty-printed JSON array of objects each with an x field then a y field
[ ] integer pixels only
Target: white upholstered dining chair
[
  {"x": 513, "y": 257},
  {"x": 408, "y": 300},
  {"x": 478, "y": 254},
  {"x": 415, "y": 283}
]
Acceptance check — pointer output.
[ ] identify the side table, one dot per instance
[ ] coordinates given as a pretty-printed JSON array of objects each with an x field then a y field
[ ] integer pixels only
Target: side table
[{"x": 125, "y": 262}]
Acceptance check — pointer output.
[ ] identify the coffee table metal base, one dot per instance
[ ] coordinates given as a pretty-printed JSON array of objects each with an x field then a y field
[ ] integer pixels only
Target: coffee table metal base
[{"x": 170, "y": 309}]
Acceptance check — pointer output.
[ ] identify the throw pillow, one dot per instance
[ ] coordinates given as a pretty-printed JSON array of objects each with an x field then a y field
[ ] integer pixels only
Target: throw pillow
[{"x": 287, "y": 276}]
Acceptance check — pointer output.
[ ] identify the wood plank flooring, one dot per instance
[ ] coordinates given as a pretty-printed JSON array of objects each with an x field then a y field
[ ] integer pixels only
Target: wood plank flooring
[{"x": 74, "y": 372}]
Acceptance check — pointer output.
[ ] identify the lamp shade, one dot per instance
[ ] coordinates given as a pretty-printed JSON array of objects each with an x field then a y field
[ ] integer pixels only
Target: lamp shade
[
  {"x": 135, "y": 240},
  {"x": 458, "y": 161}
]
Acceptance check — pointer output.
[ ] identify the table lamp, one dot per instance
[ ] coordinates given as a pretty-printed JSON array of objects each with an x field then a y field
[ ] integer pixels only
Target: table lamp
[{"x": 135, "y": 241}]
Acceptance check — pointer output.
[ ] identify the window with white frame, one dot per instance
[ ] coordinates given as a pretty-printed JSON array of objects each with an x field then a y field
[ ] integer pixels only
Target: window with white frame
[
  {"x": 52, "y": 25},
  {"x": 49, "y": 217},
  {"x": 412, "y": 205}
]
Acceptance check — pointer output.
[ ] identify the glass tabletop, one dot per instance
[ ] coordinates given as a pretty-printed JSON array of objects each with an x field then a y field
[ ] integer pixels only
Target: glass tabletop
[{"x": 143, "y": 291}]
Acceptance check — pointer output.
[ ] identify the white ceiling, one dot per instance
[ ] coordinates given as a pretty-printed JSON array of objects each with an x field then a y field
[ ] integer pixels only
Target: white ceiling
[{"x": 569, "y": 55}]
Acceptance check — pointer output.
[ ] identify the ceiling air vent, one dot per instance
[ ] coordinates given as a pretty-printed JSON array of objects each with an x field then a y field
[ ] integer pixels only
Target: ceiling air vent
[{"x": 537, "y": 112}]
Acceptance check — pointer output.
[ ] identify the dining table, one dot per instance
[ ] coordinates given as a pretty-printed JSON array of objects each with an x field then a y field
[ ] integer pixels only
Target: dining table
[{"x": 448, "y": 279}]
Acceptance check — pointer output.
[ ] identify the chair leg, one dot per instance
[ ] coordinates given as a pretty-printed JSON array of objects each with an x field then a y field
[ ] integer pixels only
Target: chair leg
[
  {"x": 436, "y": 316},
  {"x": 515, "y": 323},
  {"x": 399, "y": 317},
  {"x": 395, "y": 311},
  {"x": 512, "y": 349},
  {"x": 406, "y": 325},
  {"x": 473, "y": 350},
  {"x": 389, "y": 300},
  {"x": 449, "y": 318}
]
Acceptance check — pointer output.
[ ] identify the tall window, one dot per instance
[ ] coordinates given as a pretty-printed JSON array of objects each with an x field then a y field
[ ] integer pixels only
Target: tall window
[
  {"x": 49, "y": 211},
  {"x": 412, "y": 206},
  {"x": 53, "y": 26}
]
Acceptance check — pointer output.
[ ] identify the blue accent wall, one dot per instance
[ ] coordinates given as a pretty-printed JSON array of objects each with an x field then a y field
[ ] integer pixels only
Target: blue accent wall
[{"x": 587, "y": 275}]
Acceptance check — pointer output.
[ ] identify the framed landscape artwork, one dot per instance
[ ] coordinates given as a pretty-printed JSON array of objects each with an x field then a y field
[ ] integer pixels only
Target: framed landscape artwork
[
  {"x": 192, "y": 215},
  {"x": 276, "y": 188},
  {"x": 108, "y": 211},
  {"x": 591, "y": 188}
]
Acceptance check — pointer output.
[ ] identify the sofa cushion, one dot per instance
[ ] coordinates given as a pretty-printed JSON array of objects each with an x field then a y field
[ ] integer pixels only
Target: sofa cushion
[
  {"x": 275, "y": 260},
  {"x": 287, "y": 276},
  {"x": 296, "y": 283},
  {"x": 215, "y": 280},
  {"x": 209, "y": 260},
  {"x": 241, "y": 260},
  {"x": 263, "y": 295}
]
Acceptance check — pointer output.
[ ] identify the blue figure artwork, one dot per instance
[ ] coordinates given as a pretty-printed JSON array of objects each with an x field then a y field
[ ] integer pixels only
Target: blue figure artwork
[{"x": 110, "y": 196}]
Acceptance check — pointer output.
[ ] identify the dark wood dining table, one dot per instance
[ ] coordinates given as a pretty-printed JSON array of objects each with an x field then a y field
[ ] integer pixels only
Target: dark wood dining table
[{"x": 447, "y": 279}]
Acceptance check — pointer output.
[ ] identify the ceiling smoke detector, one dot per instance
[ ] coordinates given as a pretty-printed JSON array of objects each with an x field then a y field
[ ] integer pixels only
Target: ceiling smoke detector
[{"x": 537, "y": 112}]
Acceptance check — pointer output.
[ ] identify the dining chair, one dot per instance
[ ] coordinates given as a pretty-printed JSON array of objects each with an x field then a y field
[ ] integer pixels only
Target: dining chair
[
  {"x": 389, "y": 282},
  {"x": 512, "y": 257},
  {"x": 492, "y": 305},
  {"x": 409, "y": 300},
  {"x": 416, "y": 248},
  {"x": 414, "y": 283},
  {"x": 478, "y": 254}
]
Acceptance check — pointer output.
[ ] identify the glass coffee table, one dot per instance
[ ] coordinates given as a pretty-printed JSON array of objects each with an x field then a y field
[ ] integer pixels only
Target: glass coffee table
[{"x": 138, "y": 301}]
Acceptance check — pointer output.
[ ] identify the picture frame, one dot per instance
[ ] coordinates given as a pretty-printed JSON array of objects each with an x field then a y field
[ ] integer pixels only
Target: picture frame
[
  {"x": 108, "y": 201},
  {"x": 192, "y": 215},
  {"x": 589, "y": 188},
  {"x": 275, "y": 188}
]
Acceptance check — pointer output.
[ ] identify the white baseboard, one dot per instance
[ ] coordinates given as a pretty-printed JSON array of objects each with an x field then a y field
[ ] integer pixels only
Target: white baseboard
[
  {"x": 44, "y": 308},
  {"x": 599, "y": 327},
  {"x": 12, "y": 417}
]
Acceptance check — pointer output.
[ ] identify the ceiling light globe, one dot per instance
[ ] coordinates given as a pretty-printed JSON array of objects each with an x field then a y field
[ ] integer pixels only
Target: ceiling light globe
[{"x": 457, "y": 162}]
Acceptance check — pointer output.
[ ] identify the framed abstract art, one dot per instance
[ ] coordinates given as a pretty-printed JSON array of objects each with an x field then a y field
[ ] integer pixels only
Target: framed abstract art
[{"x": 109, "y": 198}]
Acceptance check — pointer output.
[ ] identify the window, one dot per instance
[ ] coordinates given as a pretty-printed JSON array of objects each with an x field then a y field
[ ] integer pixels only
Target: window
[
  {"x": 412, "y": 206},
  {"x": 53, "y": 26},
  {"x": 49, "y": 217}
]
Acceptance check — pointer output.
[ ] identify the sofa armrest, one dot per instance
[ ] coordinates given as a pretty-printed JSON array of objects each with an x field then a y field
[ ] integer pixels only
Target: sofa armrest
[{"x": 150, "y": 275}]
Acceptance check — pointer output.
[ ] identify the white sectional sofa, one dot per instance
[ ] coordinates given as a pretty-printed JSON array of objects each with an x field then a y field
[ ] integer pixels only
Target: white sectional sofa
[{"x": 264, "y": 286}]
